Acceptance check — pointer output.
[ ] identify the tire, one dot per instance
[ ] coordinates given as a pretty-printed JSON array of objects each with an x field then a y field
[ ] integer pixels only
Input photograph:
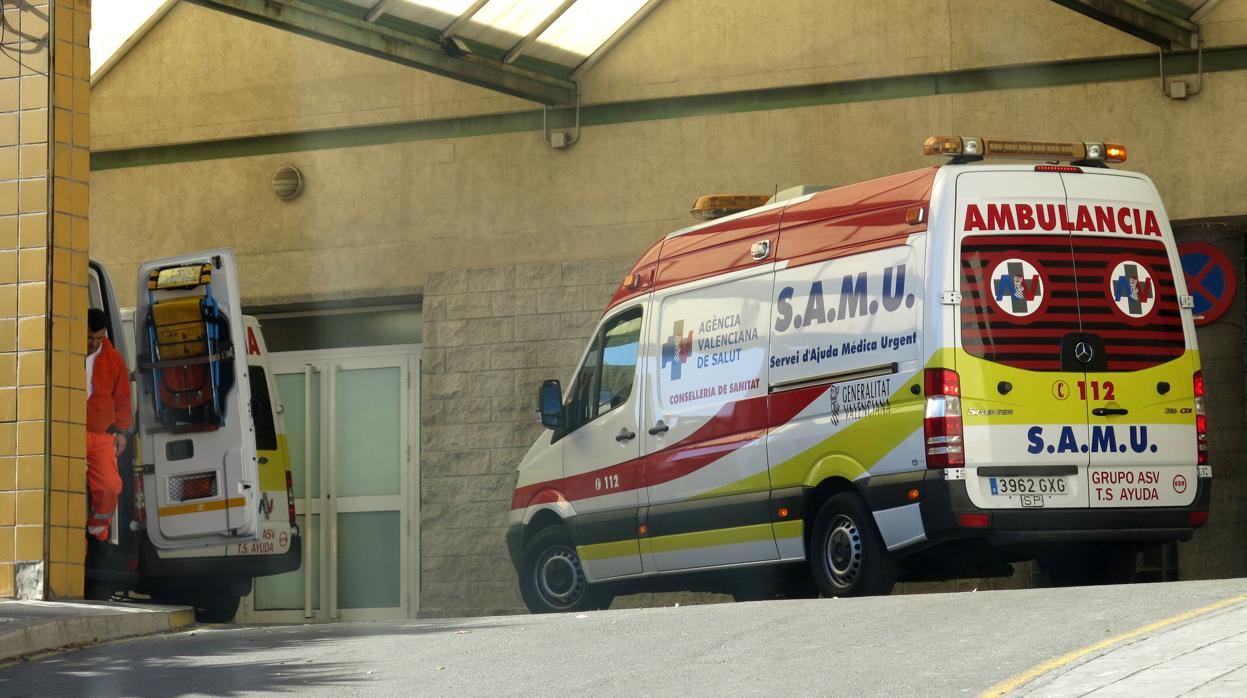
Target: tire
[
  {"x": 215, "y": 606},
  {"x": 552, "y": 579},
  {"x": 1107, "y": 564},
  {"x": 847, "y": 556}
]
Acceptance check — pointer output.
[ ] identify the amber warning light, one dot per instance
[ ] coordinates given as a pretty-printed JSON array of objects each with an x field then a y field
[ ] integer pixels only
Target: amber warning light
[
  {"x": 710, "y": 207},
  {"x": 967, "y": 148}
]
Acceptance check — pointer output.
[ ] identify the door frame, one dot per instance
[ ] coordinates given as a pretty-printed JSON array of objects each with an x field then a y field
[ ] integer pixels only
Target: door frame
[{"x": 410, "y": 527}]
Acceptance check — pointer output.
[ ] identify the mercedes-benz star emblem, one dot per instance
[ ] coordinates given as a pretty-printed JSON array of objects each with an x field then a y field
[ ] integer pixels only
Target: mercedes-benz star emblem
[{"x": 1083, "y": 352}]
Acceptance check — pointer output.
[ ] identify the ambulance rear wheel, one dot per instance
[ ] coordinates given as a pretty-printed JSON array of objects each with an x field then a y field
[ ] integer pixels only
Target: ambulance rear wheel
[
  {"x": 847, "y": 555},
  {"x": 552, "y": 579}
]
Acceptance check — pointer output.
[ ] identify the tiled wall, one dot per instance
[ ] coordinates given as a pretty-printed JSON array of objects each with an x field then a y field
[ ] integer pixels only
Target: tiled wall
[{"x": 44, "y": 160}]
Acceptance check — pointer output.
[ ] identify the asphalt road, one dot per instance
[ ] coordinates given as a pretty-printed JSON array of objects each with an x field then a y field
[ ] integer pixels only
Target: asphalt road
[{"x": 930, "y": 645}]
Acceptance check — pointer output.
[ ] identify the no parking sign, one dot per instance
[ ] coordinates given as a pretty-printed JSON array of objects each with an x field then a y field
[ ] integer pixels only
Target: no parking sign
[{"x": 1210, "y": 279}]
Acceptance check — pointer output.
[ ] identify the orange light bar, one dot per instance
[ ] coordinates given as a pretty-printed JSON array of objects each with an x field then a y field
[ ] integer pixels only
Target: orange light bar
[
  {"x": 978, "y": 148},
  {"x": 712, "y": 206}
]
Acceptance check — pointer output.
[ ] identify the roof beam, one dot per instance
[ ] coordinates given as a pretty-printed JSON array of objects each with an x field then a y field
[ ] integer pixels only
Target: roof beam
[
  {"x": 379, "y": 9},
  {"x": 1137, "y": 18},
  {"x": 615, "y": 38},
  {"x": 537, "y": 31},
  {"x": 465, "y": 17},
  {"x": 399, "y": 47}
]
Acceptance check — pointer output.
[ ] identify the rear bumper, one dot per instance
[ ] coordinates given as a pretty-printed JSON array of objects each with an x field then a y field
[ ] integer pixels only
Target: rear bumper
[
  {"x": 152, "y": 566},
  {"x": 944, "y": 501}
]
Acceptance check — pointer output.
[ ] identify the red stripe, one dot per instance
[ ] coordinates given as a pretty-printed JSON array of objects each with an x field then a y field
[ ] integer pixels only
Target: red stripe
[{"x": 736, "y": 424}]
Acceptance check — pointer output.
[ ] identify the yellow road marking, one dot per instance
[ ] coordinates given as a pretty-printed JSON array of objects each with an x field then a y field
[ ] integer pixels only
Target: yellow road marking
[{"x": 1010, "y": 685}]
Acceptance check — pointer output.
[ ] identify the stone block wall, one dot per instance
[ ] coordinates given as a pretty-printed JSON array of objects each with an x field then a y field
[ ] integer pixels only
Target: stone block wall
[{"x": 490, "y": 337}]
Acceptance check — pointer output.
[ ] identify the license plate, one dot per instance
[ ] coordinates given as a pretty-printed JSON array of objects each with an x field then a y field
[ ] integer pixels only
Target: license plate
[{"x": 1009, "y": 486}]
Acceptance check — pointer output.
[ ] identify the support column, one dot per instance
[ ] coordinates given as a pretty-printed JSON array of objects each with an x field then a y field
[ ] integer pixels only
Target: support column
[{"x": 44, "y": 159}]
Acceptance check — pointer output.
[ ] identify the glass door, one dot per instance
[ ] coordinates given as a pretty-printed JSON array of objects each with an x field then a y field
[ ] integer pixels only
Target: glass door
[{"x": 351, "y": 426}]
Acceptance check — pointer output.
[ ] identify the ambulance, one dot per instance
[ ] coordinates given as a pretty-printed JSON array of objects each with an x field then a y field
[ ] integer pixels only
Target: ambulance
[
  {"x": 930, "y": 375},
  {"x": 207, "y": 502}
]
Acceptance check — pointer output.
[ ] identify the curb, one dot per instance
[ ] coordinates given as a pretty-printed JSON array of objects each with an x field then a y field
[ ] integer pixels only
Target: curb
[{"x": 64, "y": 633}]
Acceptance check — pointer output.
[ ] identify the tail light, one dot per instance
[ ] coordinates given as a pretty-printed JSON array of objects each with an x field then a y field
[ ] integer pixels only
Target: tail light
[
  {"x": 140, "y": 498},
  {"x": 1196, "y": 518},
  {"x": 290, "y": 497},
  {"x": 941, "y": 423},
  {"x": 1201, "y": 420}
]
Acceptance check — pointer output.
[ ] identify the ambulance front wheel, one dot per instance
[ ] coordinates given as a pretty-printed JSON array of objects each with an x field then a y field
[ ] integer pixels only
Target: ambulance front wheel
[
  {"x": 847, "y": 555},
  {"x": 552, "y": 579}
]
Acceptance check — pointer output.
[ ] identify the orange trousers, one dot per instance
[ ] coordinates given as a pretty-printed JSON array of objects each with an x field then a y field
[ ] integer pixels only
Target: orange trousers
[{"x": 104, "y": 481}]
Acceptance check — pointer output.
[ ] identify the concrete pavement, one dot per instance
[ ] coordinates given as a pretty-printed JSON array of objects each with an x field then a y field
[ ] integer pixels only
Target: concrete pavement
[
  {"x": 1178, "y": 638},
  {"x": 31, "y": 627},
  {"x": 1201, "y": 654}
]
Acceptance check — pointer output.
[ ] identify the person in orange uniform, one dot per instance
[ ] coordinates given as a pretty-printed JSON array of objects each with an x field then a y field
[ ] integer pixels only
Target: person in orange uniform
[{"x": 108, "y": 422}]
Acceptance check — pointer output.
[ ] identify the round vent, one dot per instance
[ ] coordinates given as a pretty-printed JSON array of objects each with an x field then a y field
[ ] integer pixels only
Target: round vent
[{"x": 287, "y": 182}]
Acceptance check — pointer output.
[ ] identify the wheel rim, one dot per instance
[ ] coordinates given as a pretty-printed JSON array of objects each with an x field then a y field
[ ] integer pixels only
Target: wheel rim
[
  {"x": 560, "y": 578},
  {"x": 842, "y": 552}
]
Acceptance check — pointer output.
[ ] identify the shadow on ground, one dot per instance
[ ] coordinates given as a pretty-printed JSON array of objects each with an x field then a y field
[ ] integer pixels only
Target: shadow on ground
[{"x": 213, "y": 660}]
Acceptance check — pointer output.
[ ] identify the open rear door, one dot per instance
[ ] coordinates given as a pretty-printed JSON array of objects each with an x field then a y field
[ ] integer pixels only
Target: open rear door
[{"x": 198, "y": 440}]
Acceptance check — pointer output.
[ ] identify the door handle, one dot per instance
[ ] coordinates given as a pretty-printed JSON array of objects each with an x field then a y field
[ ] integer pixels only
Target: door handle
[
  {"x": 262, "y": 460},
  {"x": 1105, "y": 411},
  {"x": 625, "y": 435},
  {"x": 660, "y": 427}
]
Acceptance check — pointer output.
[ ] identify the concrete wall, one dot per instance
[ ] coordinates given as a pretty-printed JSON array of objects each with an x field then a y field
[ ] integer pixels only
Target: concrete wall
[
  {"x": 1217, "y": 550},
  {"x": 491, "y": 337},
  {"x": 375, "y": 219}
]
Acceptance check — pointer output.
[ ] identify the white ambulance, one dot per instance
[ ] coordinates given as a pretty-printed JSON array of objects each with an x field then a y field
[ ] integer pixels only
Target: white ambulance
[
  {"x": 925, "y": 376},
  {"x": 206, "y": 504}
]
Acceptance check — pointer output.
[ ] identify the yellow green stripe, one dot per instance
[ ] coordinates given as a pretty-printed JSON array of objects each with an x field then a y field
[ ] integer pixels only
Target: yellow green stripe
[
  {"x": 711, "y": 539},
  {"x": 605, "y": 551}
]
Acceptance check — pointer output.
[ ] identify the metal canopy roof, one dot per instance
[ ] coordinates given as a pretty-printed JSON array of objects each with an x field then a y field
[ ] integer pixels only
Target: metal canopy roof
[
  {"x": 534, "y": 49},
  {"x": 1166, "y": 23}
]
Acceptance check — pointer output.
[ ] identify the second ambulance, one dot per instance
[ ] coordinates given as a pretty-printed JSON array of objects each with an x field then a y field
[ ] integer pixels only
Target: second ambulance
[{"x": 925, "y": 376}]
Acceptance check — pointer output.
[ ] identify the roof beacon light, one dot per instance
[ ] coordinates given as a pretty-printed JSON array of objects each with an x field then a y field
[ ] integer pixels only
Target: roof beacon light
[
  {"x": 967, "y": 149},
  {"x": 710, "y": 207}
]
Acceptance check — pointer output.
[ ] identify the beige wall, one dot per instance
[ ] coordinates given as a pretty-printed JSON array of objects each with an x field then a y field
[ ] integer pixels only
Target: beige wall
[
  {"x": 373, "y": 221},
  {"x": 201, "y": 74}
]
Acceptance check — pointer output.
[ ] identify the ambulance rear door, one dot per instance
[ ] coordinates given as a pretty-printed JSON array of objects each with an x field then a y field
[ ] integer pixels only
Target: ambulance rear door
[
  {"x": 1022, "y": 349},
  {"x": 199, "y": 445},
  {"x": 1142, "y": 416}
]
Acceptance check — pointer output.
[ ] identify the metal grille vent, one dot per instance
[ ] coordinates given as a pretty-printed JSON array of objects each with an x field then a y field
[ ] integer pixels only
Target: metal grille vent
[{"x": 184, "y": 488}]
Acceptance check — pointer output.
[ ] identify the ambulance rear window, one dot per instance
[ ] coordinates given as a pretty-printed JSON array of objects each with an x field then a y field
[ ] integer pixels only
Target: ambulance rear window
[
  {"x": 262, "y": 411},
  {"x": 1021, "y": 294}
]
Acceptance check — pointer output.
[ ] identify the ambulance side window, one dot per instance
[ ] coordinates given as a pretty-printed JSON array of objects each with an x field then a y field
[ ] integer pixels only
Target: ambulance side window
[
  {"x": 262, "y": 411},
  {"x": 605, "y": 380}
]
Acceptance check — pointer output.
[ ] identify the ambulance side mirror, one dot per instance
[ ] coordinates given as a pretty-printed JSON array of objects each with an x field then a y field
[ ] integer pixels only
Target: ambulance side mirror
[{"x": 550, "y": 404}]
